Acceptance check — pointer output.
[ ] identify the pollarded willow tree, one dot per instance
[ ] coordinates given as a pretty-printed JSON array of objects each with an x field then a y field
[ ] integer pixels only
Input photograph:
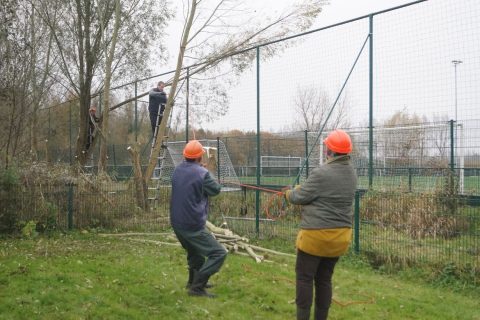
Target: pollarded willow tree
[
  {"x": 219, "y": 37},
  {"x": 83, "y": 32}
]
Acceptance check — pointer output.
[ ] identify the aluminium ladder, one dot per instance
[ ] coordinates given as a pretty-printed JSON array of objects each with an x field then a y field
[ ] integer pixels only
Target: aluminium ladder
[{"x": 156, "y": 179}]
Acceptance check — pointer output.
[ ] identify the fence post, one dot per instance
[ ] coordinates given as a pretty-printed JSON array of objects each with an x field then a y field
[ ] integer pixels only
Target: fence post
[
  {"x": 187, "y": 104},
  {"x": 452, "y": 146},
  {"x": 409, "y": 179},
  {"x": 257, "y": 192},
  {"x": 357, "y": 223},
  {"x": 135, "y": 125},
  {"x": 70, "y": 206},
  {"x": 370, "y": 90},
  {"x": 70, "y": 133},
  {"x": 218, "y": 159},
  {"x": 114, "y": 158},
  {"x": 306, "y": 154}
]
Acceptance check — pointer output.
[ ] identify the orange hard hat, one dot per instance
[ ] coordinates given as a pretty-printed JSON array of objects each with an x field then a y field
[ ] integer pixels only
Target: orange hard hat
[
  {"x": 193, "y": 150},
  {"x": 339, "y": 141}
]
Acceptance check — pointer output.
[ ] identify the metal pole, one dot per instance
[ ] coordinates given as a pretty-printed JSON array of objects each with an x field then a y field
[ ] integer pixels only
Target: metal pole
[
  {"x": 70, "y": 207},
  {"x": 409, "y": 179},
  {"x": 187, "y": 104},
  {"x": 455, "y": 63},
  {"x": 370, "y": 127},
  {"x": 135, "y": 125},
  {"x": 357, "y": 223},
  {"x": 306, "y": 153},
  {"x": 114, "y": 158},
  {"x": 218, "y": 160},
  {"x": 454, "y": 133},
  {"x": 70, "y": 133},
  {"x": 257, "y": 192},
  {"x": 452, "y": 146}
]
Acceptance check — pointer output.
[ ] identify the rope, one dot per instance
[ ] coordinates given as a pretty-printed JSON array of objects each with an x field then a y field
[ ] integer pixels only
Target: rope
[
  {"x": 256, "y": 188},
  {"x": 276, "y": 197}
]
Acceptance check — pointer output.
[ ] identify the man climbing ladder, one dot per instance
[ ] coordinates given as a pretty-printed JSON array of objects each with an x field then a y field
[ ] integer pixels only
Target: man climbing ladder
[{"x": 156, "y": 105}]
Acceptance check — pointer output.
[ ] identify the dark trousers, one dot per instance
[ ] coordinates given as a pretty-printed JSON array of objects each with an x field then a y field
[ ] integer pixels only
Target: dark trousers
[
  {"x": 153, "y": 121},
  {"x": 200, "y": 245},
  {"x": 312, "y": 270}
]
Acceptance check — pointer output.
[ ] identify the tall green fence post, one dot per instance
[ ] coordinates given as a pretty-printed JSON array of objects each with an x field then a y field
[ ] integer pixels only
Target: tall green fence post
[
  {"x": 135, "y": 123},
  {"x": 370, "y": 94},
  {"x": 409, "y": 179},
  {"x": 306, "y": 154},
  {"x": 70, "y": 134},
  {"x": 257, "y": 192},
  {"x": 187, "y": 104},
  {"x": 452, "y": 145},
  {"x": 357, "y": 223},
  {"x": 218, "y": 159},
  {"x": 70, "y": 206},
  {"x": 114, "y": 158}
]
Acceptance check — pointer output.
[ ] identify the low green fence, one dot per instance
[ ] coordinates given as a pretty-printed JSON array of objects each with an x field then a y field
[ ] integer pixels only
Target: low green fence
[
  {"x": 406, "y": 229},
  {"x": 401, "y": 228}
]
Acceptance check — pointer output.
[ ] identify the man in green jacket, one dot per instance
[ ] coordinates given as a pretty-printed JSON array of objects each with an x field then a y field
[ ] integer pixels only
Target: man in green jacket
[{"x": 326, "y": 224}]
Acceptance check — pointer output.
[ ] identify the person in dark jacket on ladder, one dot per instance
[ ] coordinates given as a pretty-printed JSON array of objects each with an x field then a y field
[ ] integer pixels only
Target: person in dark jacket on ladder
[
  {"x": 325, "y": 232},
  {"x": 92, "y": 123},
  {"x": 157, "y": 98},
  {"x": 192, "y": 184}
]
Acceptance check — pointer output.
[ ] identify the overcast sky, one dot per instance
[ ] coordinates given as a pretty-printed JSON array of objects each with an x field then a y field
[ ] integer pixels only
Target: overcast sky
[{"x": 413, "y": 50}]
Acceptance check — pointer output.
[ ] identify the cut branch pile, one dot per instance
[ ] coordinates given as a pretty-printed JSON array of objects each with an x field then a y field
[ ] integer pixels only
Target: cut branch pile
[{"x": 232, "y": 242}]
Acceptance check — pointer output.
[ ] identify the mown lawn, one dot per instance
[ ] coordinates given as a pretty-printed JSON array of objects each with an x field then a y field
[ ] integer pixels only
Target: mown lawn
[{"x": 85, "y": 276}]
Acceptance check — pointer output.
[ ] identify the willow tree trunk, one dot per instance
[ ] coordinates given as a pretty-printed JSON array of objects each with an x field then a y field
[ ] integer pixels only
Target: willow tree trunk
[
  {"x": 140, "y": 185},
  {"x": 102, "y": 162},
  {"x": 168, "y": 108}
]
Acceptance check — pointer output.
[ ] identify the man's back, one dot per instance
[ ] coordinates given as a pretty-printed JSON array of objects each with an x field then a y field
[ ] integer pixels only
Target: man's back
[{"x": 156, "y": 98}]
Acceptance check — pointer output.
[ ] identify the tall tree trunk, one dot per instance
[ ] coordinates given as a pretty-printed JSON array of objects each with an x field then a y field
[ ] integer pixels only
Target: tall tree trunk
[
  {"x": 102, "y": 162},
  {"x": 168, "y": 108},
  {"x": 33, "y": 75}
]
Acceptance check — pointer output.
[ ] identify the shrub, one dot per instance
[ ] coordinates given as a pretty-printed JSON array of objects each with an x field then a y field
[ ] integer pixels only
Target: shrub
[
  {"x": 9, "y": 193},
  {"x": 418, "y": 215}
]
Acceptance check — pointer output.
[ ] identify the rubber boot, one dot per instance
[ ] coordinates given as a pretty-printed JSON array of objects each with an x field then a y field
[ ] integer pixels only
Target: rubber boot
[
  {"x": 197, "y": 288},
  {"x": 303, "y": 314},
  {"x": 191, "y": 274}
]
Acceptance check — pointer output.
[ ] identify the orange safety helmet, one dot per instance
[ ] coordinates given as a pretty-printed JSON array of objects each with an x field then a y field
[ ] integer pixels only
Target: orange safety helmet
[
  {"x": 193, "y": 150},
  {"x": 339, "y": 141}
]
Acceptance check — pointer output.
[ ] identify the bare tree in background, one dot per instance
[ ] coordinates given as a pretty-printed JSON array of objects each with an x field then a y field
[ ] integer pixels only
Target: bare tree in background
[
  {"x": 26, "y": 77},
  {"x": 403, "y": 144},
  {"x": 312, "y": 106},
  {"x": 81, "y": 27}
]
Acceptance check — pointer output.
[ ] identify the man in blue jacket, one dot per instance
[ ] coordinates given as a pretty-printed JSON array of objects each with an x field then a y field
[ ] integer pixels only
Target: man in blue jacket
[
  {"x": 192, "y": 184},
  {"x": 157, "y": 99}
]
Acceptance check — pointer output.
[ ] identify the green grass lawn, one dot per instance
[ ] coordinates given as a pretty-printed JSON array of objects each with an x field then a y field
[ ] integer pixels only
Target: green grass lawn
[{"x": 90, "y": 277}]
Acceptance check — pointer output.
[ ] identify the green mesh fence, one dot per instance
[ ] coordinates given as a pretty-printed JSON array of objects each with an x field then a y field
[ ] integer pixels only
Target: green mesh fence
[{"x": 404, "y": 83}]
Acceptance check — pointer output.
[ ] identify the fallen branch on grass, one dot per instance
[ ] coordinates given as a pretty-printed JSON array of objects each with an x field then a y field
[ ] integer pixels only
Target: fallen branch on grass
[{"x": 232, "y": 242}]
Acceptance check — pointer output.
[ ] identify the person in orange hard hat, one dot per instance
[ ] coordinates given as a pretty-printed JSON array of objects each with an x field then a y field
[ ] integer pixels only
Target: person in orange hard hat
[
  {"x": 325, "y": 231},
  {"x": 192, "y": 185}
]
